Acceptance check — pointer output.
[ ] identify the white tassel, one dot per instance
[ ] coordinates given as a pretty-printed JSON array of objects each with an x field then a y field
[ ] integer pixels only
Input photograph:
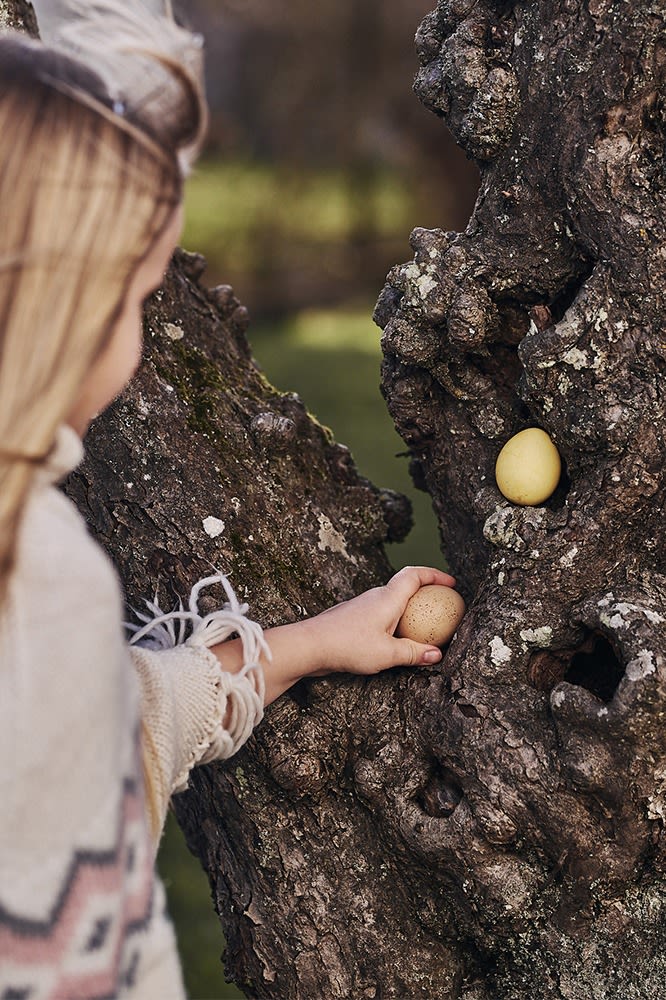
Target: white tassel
[
  {"x": 244, "y": 691},
  {"x": 160, "y": 631}
]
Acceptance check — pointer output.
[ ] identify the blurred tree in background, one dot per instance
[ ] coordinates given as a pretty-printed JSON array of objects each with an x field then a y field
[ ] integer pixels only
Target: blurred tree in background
[{"x": 327, "y": 160}]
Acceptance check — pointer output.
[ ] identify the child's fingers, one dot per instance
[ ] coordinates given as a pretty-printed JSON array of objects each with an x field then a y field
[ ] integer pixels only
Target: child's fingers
[{"x": 410, "y": 579}]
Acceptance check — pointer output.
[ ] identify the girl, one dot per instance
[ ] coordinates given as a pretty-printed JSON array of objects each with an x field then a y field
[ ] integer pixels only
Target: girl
[{"x": 96, "y": 735}]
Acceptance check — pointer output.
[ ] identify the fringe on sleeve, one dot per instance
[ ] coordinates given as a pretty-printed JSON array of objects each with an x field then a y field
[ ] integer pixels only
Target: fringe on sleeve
[{"x": 239, "y": 695}]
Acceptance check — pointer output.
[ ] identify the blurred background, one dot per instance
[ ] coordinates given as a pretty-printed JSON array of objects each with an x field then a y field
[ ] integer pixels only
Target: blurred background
[{"x": 320, "y": 161}]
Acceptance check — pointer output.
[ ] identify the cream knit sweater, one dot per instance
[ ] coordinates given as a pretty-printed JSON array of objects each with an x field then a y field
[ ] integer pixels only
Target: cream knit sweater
[{"x": 82, "y": 914}]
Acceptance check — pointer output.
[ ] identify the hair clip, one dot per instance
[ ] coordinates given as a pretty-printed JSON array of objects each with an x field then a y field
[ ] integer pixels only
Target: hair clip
[{"x": 151, "y": 69}]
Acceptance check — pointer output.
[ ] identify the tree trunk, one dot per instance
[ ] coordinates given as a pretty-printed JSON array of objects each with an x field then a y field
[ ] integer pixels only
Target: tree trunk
[
  {"x": 493, "y": 828},
  {"x": 547, "y": 311}
]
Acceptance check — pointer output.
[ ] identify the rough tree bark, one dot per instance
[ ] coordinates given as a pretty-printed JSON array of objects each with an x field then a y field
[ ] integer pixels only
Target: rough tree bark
[
  {"x": 547, "y": 311},
  {"x": 493, "y": 828},
  {"x": 19, "y": 15}
]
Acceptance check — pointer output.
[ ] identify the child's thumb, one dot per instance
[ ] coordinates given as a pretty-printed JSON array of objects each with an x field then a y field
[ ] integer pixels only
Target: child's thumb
[{"x": 414, "y": 654}]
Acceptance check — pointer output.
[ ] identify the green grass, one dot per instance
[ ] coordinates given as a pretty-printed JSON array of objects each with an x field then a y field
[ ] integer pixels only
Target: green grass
[{"x": 230, "y": 203}]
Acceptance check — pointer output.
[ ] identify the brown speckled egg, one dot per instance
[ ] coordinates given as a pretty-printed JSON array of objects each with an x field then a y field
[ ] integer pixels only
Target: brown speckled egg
[{"x": 432, "y": 615}]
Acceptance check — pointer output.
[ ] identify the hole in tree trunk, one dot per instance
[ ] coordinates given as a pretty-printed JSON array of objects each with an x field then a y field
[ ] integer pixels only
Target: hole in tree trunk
[
  {"x": 441, "y": 794},
  {"x": 596, "y": 668},
  {"x": 593, "y": 665},
  {"x": 565, "y": 298},
  {"x": 300, "y": 693},
  {"x": 559, "y": 497}
]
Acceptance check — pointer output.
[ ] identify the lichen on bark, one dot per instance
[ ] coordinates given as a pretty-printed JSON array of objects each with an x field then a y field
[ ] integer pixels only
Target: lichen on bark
[{"x": 206, "y": 464}]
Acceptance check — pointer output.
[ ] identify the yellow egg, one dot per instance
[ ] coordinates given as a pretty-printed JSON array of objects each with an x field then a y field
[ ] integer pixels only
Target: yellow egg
[
  {"x": 432, "y": 615},
  {"x": 528, "y": 468}
]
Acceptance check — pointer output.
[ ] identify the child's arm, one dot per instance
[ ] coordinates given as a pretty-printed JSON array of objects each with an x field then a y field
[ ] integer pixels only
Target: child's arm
[
  {"x": 356, "y": 637},
  {"x": 193, "y": 712}
]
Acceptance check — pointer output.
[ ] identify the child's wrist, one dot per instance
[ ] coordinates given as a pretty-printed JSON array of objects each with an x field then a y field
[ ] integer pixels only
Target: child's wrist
[
  {"x": 295, "y": 654},
  {"x": 296, "y": 649}
]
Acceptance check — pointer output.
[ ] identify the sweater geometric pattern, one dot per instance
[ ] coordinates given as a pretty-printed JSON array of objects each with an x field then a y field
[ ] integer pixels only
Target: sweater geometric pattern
[
  {"x": 83, "y": 949},
  {"x": 82, "y": 911}
]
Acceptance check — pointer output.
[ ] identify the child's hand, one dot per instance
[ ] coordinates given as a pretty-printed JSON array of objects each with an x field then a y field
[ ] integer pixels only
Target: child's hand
[{"x": 357, "y": 636}]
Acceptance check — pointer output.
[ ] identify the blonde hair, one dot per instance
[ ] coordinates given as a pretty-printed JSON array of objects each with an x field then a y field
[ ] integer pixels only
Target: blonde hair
[{"x": 84, "y": 195}]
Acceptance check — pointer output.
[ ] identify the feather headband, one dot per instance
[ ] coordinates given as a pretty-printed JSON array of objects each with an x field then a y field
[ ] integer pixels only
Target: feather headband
[{"x": 151, "y": 67}]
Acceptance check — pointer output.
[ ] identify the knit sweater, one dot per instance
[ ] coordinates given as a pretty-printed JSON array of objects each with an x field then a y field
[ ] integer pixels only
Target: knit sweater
[{"x": 82, "y": 913}]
